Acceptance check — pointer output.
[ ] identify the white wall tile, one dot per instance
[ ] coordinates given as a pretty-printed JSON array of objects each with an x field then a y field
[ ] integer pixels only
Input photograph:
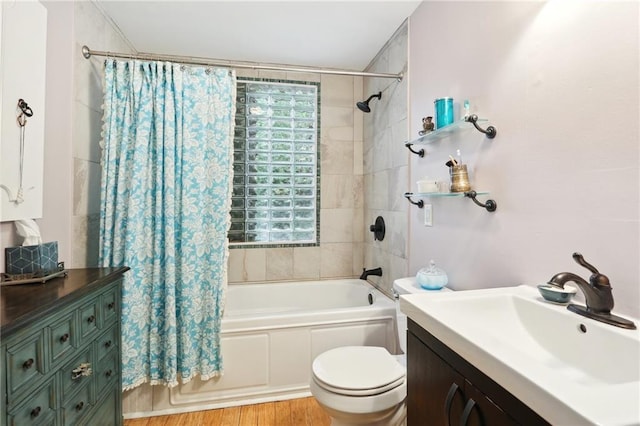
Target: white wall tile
[
  {"x": 279, "y": 263},
  {"x": 336, "y": 260},
  {"x": 336, "y": 225},
  {"x": 306, "y": 262},
  {"x": 86, "y": 191}
]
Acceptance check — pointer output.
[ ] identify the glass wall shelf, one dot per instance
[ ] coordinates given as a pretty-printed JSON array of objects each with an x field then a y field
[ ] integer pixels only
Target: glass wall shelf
[
  {"x": 436, "y": 135},
  {"x": 490, "y": 205}
]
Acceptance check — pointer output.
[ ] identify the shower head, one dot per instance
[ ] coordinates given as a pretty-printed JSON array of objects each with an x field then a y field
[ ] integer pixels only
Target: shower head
[{"x": 364, "y": 105}]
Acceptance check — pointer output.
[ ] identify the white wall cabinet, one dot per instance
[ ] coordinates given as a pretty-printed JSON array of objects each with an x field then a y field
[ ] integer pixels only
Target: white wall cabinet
[{"x": 23, "y": 29}]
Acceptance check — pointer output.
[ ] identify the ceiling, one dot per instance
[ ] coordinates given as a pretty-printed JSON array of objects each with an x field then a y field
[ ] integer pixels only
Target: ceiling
[{"x": 324, "y": 33}]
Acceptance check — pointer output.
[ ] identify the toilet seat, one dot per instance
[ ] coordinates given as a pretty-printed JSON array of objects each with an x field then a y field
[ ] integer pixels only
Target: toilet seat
[
  {"x": 359, "y": 392},
  {"x": 357, "y": 371}
]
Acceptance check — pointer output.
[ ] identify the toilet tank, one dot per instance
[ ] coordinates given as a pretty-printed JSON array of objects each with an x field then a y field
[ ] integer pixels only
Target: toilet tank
[{"x": 407, "y": 286}]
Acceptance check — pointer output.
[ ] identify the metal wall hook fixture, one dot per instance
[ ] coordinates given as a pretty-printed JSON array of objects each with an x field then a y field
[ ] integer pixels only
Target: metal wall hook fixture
[
  {"x": 490, "y": 132},
  {"x": 419, "y": 153},
  {"x": 419, "y": 203},
  {"x": 25, "y": 108},
  {"x": 490, "y": 205},
  {"x": 378, "y": 229}
]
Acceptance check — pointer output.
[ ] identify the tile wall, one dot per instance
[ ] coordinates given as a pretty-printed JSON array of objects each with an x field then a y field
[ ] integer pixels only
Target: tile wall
[
  {"x": 386, "y": 162},
  {"x": 94, "y": 30},
  {"x": 341, "y": 219}
]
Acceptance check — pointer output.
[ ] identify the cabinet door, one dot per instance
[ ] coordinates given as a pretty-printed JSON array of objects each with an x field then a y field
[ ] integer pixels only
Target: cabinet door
[
  {"x": 479, "y": 410},
  {"x": 434, "y": 389}
]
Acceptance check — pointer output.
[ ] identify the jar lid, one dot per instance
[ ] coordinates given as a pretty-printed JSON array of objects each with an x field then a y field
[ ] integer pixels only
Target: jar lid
[{"x": 432, "y": 270}]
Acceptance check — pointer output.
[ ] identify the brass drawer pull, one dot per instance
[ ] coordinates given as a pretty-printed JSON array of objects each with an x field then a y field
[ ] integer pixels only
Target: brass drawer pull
[
  {"x": 35, "y": 412},
  {"x": 111, "y": 305},
  {"x": 79, "y": 406},
  {"x": 83, "y": 370},
  {"x": 92, "y": 318},
  {"x": 28, "y": 364},
  {"x": 64, "y": 337}
]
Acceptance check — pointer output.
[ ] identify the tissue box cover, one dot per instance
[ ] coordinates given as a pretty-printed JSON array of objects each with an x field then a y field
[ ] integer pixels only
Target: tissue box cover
[{"x": 40, "y": 259}]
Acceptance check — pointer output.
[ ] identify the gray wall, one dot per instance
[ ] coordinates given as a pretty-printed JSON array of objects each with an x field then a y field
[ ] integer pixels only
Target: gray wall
[{"x": 559, "y": 80}]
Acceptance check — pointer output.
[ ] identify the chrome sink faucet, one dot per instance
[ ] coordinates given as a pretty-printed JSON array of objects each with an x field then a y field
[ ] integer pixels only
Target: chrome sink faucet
[{"x": 597, "y": 293}]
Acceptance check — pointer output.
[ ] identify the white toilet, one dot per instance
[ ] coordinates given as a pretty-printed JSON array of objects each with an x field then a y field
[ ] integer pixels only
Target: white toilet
[{"x": 365, "y": 385}]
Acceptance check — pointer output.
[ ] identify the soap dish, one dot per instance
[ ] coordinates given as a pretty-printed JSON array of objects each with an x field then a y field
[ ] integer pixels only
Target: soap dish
[{"x": 555, "y": 294}]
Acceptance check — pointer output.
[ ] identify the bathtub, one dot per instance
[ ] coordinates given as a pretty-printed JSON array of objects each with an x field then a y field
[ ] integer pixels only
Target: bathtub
[{"x": 271, "y": 332}]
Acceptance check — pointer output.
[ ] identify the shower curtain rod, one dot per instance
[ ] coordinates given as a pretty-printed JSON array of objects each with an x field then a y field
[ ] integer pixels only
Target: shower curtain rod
[{"x": 190, "y": 60}]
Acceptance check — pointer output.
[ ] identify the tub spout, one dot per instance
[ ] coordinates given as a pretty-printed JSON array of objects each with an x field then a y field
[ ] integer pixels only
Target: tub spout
[{"x": 367, "y": 272}]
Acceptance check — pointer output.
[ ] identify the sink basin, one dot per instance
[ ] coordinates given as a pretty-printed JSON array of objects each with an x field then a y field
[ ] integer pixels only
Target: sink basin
[{"x": 567, "y": 368}]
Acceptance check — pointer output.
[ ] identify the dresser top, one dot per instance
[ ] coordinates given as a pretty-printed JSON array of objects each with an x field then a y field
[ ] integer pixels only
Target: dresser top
[{"x": 23, "y": 303}]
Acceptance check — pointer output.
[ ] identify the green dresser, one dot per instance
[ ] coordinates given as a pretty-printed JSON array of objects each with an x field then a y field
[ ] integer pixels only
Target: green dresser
[{"x": 60, "y": 355}]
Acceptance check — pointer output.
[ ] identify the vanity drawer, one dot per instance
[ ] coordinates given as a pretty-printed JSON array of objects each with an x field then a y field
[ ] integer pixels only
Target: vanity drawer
[
  {"x": 110, "y": 302},
  {"x": 75, "y": 407},
  {"x": 107, "y": 342},
  {"x": 89, "y": 320},
  {"x": 39, "y": 408},
  {"x": 62, "y": 337},
  {"x": 25, "y": 363},
  {"x": 72, "y": 378}
]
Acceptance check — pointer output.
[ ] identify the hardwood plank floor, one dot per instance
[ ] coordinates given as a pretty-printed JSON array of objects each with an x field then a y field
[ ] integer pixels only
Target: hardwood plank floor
[{"x": 294, "y": 412}]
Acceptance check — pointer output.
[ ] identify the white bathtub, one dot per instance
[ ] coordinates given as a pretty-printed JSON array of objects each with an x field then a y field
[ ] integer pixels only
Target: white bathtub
[{"x": 271, "y": 332}]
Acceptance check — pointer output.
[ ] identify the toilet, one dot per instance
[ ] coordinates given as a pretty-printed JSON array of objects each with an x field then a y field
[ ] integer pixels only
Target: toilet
[{"x": 366, "y": 385}]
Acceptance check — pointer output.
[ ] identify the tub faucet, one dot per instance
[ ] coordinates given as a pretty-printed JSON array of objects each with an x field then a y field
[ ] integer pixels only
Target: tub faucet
[
  {"x": 597, "y": 294},
  {"x": 367, "y": 272}
]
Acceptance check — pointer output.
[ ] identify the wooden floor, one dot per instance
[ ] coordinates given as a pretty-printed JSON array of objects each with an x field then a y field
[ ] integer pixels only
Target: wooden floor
[{"x": 294, "y": 412}]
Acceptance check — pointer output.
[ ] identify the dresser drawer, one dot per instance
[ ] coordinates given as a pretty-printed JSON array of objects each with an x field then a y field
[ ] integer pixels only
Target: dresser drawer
[
  {"x": 71, "y": 376},
  {"x": 107, "y": 373},
  {"x": 110, "y": 304},
  {"x": 108, "y": 342},
  {"x": 25, "y": 364},
  {"x": 39, "y": 408},
  {"x": 107, "y": 412},
  {"x": 78, "y": 405},
  {"x": 63, "y": 337},
  {"x": 89, "y": 320}
]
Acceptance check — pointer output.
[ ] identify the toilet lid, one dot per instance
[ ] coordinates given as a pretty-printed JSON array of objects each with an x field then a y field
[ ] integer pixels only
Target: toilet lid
[{"x": 358, "y": 368}]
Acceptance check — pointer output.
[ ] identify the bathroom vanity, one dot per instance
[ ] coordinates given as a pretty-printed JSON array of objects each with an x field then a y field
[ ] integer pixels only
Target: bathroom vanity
[
  {"x": 504, "y": 356},
  {"x": 60, "y": 354},
  {"x": 454, "y": 392}
]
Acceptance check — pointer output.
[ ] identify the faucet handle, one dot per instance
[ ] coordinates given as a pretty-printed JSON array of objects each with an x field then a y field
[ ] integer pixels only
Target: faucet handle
[
  {"x": 580, "y": 261},
  {"x": 597, "y": 279}
]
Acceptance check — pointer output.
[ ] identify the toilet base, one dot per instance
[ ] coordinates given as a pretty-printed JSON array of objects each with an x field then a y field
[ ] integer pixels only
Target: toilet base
[{"x": 395, "y": 416}]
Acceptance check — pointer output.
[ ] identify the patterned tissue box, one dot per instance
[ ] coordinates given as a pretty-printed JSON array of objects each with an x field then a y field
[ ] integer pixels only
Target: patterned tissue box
[{"x": 35, "y": 261}]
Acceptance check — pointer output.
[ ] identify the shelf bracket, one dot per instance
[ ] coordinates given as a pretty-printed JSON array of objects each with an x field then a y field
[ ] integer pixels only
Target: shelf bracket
[
  {"x": 490, "y": 132},
  {"x": 419, "y": 153},
  {"x": 419, "y": 203},
  {"x": 490, "y": 205}
]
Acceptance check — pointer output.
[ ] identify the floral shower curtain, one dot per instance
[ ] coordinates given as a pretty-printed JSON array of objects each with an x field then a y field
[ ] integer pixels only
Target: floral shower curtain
[{"x": 167, "y": 166}]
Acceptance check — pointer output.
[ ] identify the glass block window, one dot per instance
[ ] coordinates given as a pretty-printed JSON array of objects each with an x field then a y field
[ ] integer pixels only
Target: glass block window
[{"x": 275, "y": 184}]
